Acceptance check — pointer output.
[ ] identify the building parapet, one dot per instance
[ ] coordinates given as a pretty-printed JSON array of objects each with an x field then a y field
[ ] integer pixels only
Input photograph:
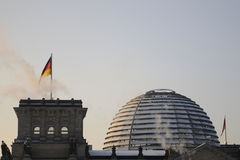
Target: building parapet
[{"x": 50, "y": 103}]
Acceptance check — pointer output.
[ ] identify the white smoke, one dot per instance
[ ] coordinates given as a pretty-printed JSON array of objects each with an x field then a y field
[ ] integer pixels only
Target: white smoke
[
  {"x": 162, "y": 139},
  {"x": 18, "y": 79},
  {"x": 163, "y": 125}
]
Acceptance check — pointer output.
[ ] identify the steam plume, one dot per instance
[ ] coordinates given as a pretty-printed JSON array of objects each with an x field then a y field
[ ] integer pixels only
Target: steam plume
[
  {"x": 162, "y": 138},
  {"x": 18, "y": 79}
]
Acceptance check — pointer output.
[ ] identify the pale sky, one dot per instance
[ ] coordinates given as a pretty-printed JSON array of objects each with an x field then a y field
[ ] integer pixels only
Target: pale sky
[{"x": 108, "y": 52}]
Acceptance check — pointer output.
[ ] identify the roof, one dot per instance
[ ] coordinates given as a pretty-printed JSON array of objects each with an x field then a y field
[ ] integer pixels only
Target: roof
[
  {"x": 205, "y": 152},
  {"x": 50, "y": 103},
  {"x": 160, "y": 119},
  {"x": 127, "y": 152}
]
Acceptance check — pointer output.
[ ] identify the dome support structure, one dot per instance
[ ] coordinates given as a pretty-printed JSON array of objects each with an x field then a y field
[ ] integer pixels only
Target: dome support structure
[
  {"x": 130, "y": 138},
  {"x": 160, "y": 119}
]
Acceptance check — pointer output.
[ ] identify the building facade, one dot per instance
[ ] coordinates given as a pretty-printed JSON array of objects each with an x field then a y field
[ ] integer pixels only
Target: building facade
[{"x": 49, "y": 129}]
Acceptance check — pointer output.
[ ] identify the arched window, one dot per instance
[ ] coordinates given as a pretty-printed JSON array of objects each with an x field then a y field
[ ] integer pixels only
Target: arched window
[
  {"x": 36, "y": 130},
  {"x": 50, "y": 130},
  {"x": 64, "y": 130}
]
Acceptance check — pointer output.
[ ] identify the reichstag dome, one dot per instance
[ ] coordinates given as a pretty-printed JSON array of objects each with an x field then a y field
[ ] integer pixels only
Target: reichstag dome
[{"x": 160, "y": 119}]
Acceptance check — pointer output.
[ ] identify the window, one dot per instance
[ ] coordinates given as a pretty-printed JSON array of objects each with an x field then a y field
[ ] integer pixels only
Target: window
[
  {"x": 36, "y": 130},
  {"x": 50, "y": 130},
  {"x": 64, "y": 130}
]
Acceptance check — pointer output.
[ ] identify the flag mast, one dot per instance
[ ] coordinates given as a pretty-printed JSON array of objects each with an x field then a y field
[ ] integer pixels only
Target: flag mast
[
  {"x": 225, "y": 131},
  {"x": 46, "y": 72},
  {"x": 51, "y": 79}
]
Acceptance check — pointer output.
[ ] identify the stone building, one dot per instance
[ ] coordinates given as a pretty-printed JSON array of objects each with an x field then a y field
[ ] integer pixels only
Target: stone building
[
  {"x": 49, "y": 129},
  {"x": 206, "y": 152}
]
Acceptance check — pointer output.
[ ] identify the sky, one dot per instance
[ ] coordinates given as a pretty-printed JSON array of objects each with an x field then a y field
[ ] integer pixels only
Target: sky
[{"x": 108, "y": 52}]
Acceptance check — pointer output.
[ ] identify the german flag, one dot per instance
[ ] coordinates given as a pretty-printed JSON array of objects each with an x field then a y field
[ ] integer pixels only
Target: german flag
[
  {"x": 47, "y": 69},
  {"x": 224, "y": 126}
]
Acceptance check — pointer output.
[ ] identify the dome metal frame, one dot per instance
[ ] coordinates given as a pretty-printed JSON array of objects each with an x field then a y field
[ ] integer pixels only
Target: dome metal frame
[{"x": 160, "y": 119}]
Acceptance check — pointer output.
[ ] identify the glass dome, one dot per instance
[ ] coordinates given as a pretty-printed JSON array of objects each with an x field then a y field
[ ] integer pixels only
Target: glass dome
[{"x": 160, "y": 119}]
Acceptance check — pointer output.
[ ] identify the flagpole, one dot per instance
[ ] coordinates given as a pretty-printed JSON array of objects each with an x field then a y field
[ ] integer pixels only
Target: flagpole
[
  {"x": 225, "y": 131},
  {"x": 51, "y": 78}
]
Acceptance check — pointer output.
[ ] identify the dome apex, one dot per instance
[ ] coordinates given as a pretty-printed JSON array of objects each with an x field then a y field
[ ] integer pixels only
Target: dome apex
[{"x": 160, "y": 91}]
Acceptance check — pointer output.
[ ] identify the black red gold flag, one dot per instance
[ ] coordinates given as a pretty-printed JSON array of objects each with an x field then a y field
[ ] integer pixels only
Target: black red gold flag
[
  {"x": 47, "y": 69},
  {"x": 224, "y": 126}
]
